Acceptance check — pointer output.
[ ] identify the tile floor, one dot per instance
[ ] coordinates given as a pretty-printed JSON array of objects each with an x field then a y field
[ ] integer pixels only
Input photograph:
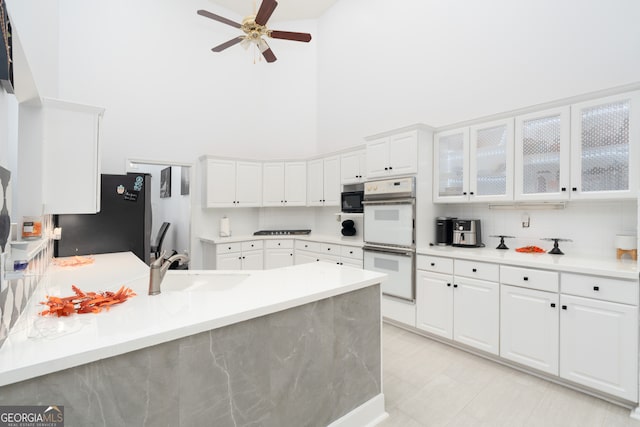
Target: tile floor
[{"x": 427, "y": 383}]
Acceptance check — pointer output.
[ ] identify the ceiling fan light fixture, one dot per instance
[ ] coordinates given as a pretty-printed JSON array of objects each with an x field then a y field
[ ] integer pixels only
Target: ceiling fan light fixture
[{"x": 255, "y": 27}]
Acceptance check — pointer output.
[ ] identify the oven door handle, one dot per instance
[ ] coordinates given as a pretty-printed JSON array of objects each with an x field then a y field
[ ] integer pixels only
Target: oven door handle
[
  {"x": 398, "y": 251},
  {"x": 409, "y": 201}
]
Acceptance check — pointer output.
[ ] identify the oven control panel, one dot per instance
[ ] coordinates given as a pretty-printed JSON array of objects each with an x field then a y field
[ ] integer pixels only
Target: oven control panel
[{"x": 399, "y": 187}]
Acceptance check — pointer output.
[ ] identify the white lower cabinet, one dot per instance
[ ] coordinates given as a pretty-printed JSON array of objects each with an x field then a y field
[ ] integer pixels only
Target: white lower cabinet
[
  {"x": 278, "y": 253},
  {"x": 434, "y": 296},
  {"x": 476, "y": 308},
  {"x": 581, "y": 328},
  {"x": 246, "y": 255},
  {"x": 310, "y": 251},
  {"x": 456, "y": 307},
  {"x": 529, "y": 327},
  {"x": 599, "y": 345}
]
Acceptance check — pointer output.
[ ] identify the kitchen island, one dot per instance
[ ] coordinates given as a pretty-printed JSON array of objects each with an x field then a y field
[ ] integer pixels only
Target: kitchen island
[{"x": 293, "y": 346}]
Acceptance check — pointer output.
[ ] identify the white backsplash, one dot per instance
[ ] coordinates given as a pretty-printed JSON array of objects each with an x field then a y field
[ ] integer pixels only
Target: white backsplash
[{"x": 592, "y": 226}]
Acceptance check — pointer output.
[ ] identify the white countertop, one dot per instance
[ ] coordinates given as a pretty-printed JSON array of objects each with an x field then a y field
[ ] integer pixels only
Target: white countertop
[
  {"x": 322, "y": 238},
  {"x": 40, "y": 345},
  {"x": 624, "y": 269}
]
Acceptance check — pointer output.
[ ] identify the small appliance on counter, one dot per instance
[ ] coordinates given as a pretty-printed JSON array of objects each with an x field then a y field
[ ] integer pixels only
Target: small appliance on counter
[
  {"x": 466, "y": 233},
  {"x": 444, "y": 230}
]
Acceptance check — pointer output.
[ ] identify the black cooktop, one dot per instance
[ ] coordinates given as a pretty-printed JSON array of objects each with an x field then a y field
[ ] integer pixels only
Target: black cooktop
[{"x": 280, "y": 232}]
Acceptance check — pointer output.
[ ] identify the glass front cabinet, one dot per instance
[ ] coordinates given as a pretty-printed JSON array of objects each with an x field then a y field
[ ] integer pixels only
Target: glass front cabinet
[
  {"x": 491, "y": 161},
  {"x": 542, "y": 153},
  {"x": 604, "y": 147},
  {"x": 451, "y": 166}
]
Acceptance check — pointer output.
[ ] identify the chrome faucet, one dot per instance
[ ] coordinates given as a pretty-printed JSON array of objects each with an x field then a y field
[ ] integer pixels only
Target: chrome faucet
[{"x": 159, "y": 268}]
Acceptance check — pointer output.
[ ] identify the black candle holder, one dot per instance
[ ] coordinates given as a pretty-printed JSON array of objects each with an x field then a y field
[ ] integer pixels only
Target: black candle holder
[
  {"x": 556, "y": 249},
  {"x": 502, "y": 237}
]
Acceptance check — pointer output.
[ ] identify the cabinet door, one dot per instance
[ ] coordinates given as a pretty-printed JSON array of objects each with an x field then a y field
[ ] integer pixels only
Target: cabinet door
[
  {"x": 276, "y": 258},
  {"x": 403, "y": 153},
  {"x": 273, "y": 184},
  {"x": 451, "y": 166},
  {"x": 231, "y": 261},
  {"x": 599, "y": 345},
  {"x": 221, "y": 183},
  {"x": 306, "y": 257},
  {"x": 604, "y": 147},
  {"x": 491, "y": 161},
  {"x": 248, "y": 184},
  {"x": 378, "y": 158},
  {"x": 476, "y": 312},
  {"x": 434, "y": 304},
  {"x": 71, "y": 134},
  {"x": 542, "y": 145},
  {"x": 315, "y": 188},
  {"x": 331, "y": 181},
  {"x": 253, "y": 260},
  {"x": 529, "y": 327},
  {"x": 352, "y": 167},
  {"x": 295, "y": 184}
]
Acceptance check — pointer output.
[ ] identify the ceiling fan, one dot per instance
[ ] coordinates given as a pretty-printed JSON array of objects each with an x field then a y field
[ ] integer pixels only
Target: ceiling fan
[{"x": 255, "y": 27}]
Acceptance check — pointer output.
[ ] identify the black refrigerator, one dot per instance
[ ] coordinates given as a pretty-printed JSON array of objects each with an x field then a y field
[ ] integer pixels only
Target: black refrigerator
[{"x": 123, "y": 223}]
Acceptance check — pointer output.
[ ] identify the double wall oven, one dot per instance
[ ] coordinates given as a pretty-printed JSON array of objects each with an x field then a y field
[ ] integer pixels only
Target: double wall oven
[{"x": 389, "y": 234}]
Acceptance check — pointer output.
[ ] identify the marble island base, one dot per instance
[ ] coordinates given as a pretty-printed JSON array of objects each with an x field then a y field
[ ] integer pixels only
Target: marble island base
[{"x": 311, "y": 365}]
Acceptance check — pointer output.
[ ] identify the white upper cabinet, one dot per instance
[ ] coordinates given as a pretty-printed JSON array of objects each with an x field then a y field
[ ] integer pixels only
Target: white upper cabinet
[
  {"x": 393, "y": 155},
  {"x": 315, "y": 184},
  {"x": 323, "y": 182},
  {"x": 451, "y": 166},
  {"x": 491, "y": 161},
  {"x": 71, "y": 134},
  {"x": 284, "y": 184},
  {"x": 352, "y": 167},
  {"x": 331, "y": 181},
  {"x": 605, "y": 136},
  {"x": 542, "y": 154},
  {"x": 233, "y": 184},
  {"x": 474, "y": 163}
]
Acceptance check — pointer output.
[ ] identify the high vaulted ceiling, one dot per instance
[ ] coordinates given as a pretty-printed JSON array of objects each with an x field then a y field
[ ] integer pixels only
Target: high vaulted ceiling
[{"x": 288, "y": 10}]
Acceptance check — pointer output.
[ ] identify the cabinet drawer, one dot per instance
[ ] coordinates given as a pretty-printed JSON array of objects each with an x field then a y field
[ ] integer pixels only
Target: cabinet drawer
[
  {"x": 351, "y": 252},
  {"x": 307, "y": 246},
  {"x": 228, "y": 248},
  {"x": 435, "y": 264},
  {"x": 602, "y": 288},
  {"x": 476, "y": 270},
  {"x": 529, "y": 278},
  {"x": 328, "y": 249},
  {"x": 252, "y": 245},
  {"x": 279, "y": 244}
]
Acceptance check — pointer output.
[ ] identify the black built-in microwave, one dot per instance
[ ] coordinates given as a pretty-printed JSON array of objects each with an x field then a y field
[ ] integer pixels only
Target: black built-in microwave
[{"x": 352, "y": 201}]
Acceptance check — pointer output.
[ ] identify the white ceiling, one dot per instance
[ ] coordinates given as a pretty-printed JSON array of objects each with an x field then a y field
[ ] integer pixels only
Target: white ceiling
[{"x": 287, "y": 10}]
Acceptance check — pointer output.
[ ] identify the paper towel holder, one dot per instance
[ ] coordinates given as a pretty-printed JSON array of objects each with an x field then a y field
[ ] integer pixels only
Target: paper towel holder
[
  {"x": 626, "y": 245},
  {"x": 225, "y": 227}
]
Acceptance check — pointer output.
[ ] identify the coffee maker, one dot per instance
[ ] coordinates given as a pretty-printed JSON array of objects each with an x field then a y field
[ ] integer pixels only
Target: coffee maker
[
  {"x": 466, "y": 232},
  {"x": 444, "y": 231}
]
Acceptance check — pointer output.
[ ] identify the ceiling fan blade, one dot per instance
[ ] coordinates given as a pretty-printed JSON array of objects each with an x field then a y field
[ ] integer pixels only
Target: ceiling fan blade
[
  {"x": 227, "y": 44},
  {"x": 218, "y": 18},
  {"x": 288, "y": 35},
  {"x": 266, "y": 51},
  {"x": 266, "y": 9}
]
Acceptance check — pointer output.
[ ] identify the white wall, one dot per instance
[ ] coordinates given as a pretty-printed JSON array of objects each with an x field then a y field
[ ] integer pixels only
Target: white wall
[
  {"x": 168, "y": 97},
  {"x": 592, "y": 226},
  {"x": 384, "y": 65}
]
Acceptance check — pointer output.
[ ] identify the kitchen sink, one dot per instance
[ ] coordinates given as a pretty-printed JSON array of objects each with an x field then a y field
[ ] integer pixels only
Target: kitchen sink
[{"x": 200, "y": 281}]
